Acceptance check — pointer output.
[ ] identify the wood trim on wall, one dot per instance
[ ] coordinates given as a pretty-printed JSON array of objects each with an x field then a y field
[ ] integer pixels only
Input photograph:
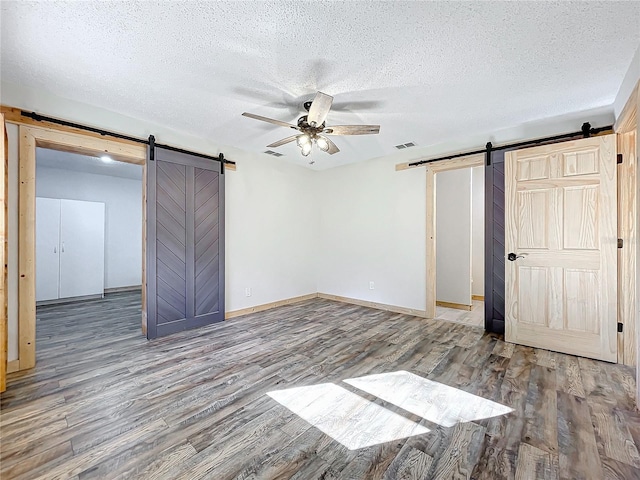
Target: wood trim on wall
[
  {"x": 30, "y": 138},
  {"x": 479, "y": 298},
  {"x": 337, "y": 298},
  {"x": 431, "y": 171},
  {"x": 14, "y": 115},
  {"x": 26, "y": 249},
  {"x": 13, "y": 366},
  {"x": 406, "y": 165},
  {"x": 628, "y": 143},
  {"x": 457, "y": 306},
  {"x": 627, "y": 231},
  {"x": 4, "y": 327},
  {"x": 268, "y": 306},
  {"x": 376, "y": 305}
]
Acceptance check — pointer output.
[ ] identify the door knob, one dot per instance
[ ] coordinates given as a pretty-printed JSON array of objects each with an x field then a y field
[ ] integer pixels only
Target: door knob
[{"x": 512, "y": 257}]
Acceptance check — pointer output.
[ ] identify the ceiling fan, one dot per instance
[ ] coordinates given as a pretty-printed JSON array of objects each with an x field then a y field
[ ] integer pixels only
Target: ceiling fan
[{"x": 312, "y": 127}]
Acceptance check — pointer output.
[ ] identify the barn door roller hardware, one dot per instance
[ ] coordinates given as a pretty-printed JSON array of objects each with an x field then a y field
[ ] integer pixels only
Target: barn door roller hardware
[
  {"x": 488, "y": 148},
  {"x": 586, "y": 131},
  {"x": 42, "y": 118},
  {"x": 152, "y": 147}
]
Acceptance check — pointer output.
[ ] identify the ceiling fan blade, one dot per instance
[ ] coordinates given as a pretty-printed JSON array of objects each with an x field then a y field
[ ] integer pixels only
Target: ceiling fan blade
[
  {"x": 269, "y": 120},
  {"x": 319, "y": 108},
  {"x": 352, "y": 130},
  {"x": 283, "y": 141},
  {"x": 333, "y": 148}
]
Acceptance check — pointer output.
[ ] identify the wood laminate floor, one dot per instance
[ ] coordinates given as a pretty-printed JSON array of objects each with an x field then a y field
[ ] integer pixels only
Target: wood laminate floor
[
  {"x": 473, "y": 317},
  {"x": 210, "y": 403}
]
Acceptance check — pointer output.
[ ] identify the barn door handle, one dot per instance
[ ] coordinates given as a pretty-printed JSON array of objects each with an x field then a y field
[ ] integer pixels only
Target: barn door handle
[{"x": 512, "y": 257}]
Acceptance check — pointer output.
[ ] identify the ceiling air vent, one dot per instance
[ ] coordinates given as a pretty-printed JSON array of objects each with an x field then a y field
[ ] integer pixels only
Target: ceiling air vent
[
  {"x": 275, "y": 154},
  {"x": 405, "y": 145}
]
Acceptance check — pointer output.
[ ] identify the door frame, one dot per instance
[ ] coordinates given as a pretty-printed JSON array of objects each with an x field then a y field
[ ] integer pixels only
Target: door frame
[
  {"x": 432, "y": 169},
  {"x": 628, "y": 136},
  {"x": 4, "y": 324},
  {"x": 72, "y": 141}
]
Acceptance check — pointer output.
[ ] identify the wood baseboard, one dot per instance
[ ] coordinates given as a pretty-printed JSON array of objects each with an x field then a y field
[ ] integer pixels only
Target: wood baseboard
[
  {"x": 479, "y": 298},
  {"x": 458, "y": 306},
  {"x": 267, "y": 306},
  {"x": 13, "y": 366},
  {"x": 60, "y": 301},
  {"x": 131, "y": 288},
  {"x": 376, "y": 305}
]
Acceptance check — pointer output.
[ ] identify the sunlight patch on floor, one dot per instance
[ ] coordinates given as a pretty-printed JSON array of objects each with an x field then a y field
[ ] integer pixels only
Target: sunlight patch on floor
[
  {"x": 346, "y": 417},
  {"x": 431, "y": 400}
]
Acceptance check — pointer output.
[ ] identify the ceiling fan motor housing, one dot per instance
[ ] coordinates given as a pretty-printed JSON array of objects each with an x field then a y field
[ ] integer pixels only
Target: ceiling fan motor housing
[{"x": 306, "y": 128}]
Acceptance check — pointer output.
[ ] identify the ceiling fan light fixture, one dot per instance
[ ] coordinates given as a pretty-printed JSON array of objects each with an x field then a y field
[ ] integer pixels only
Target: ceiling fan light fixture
[
  {"x": 306, "y": 149},
  {"x": 312, "y": 125},
  {"x": 303, "y": 140},
  {"x": 322, "y": 143}
]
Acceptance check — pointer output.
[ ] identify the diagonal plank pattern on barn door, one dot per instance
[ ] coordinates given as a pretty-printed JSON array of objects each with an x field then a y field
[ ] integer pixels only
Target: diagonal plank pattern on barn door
[
  {"x": 171, "y": 241},
  {"x": 206, "y": 241},
  {"x": 185, "y": 242}
]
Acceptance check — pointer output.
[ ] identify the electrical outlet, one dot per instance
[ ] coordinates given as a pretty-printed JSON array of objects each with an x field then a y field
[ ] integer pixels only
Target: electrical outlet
[
  {"x": 247, "y": 292},
  {"x": 371, "y": 286}
]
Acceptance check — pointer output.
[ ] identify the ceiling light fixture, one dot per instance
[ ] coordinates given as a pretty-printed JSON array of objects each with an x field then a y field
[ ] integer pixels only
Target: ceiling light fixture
[
  {"x": 306, "y": 149},
  {"x": 312, "y": 125},
  {"x": 322, "y": 143},
  {"x": 303, "y": 139},
  {"x": 106, "y": 159}
]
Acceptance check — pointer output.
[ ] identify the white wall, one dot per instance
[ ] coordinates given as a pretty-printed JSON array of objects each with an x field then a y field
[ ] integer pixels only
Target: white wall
[
  {"x": 373, "y": 228},
  {"x": 453, "y": 236},
  {"x": 628, "y": 84},
  {"x": 123, "y": 216},
  {"x": 477, "y": 230},
  {"x": 271, "y": 232}
]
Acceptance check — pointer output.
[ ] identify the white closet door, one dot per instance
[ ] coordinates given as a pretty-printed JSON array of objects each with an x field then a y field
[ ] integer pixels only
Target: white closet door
[
  {"x": 81, "y": 248},
  {"x": 47, "y": 248}
]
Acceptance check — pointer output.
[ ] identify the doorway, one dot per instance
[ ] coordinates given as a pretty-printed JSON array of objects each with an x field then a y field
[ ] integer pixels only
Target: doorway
[
  {"x": 460, "y": 245},
  {"x": 83, "y": 143},
  {"x": 88, "y": 244},
  {"x": 455, "y": 262}
]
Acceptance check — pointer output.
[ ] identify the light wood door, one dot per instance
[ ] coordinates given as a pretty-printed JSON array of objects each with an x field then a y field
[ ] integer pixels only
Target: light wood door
[
  {"x": 81, "y": 248},
  {"x": 560, "y": 220},
  {"x": 47, "y": 249}
]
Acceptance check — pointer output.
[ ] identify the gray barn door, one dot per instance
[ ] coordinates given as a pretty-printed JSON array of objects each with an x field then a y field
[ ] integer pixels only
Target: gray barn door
[{"x": 185, "y": 242}]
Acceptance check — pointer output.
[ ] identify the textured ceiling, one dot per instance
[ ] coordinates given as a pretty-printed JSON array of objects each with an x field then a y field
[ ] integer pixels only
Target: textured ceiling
[
  {"x": 82, "y": 163},
  {"x": 425, "y": 71}
]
